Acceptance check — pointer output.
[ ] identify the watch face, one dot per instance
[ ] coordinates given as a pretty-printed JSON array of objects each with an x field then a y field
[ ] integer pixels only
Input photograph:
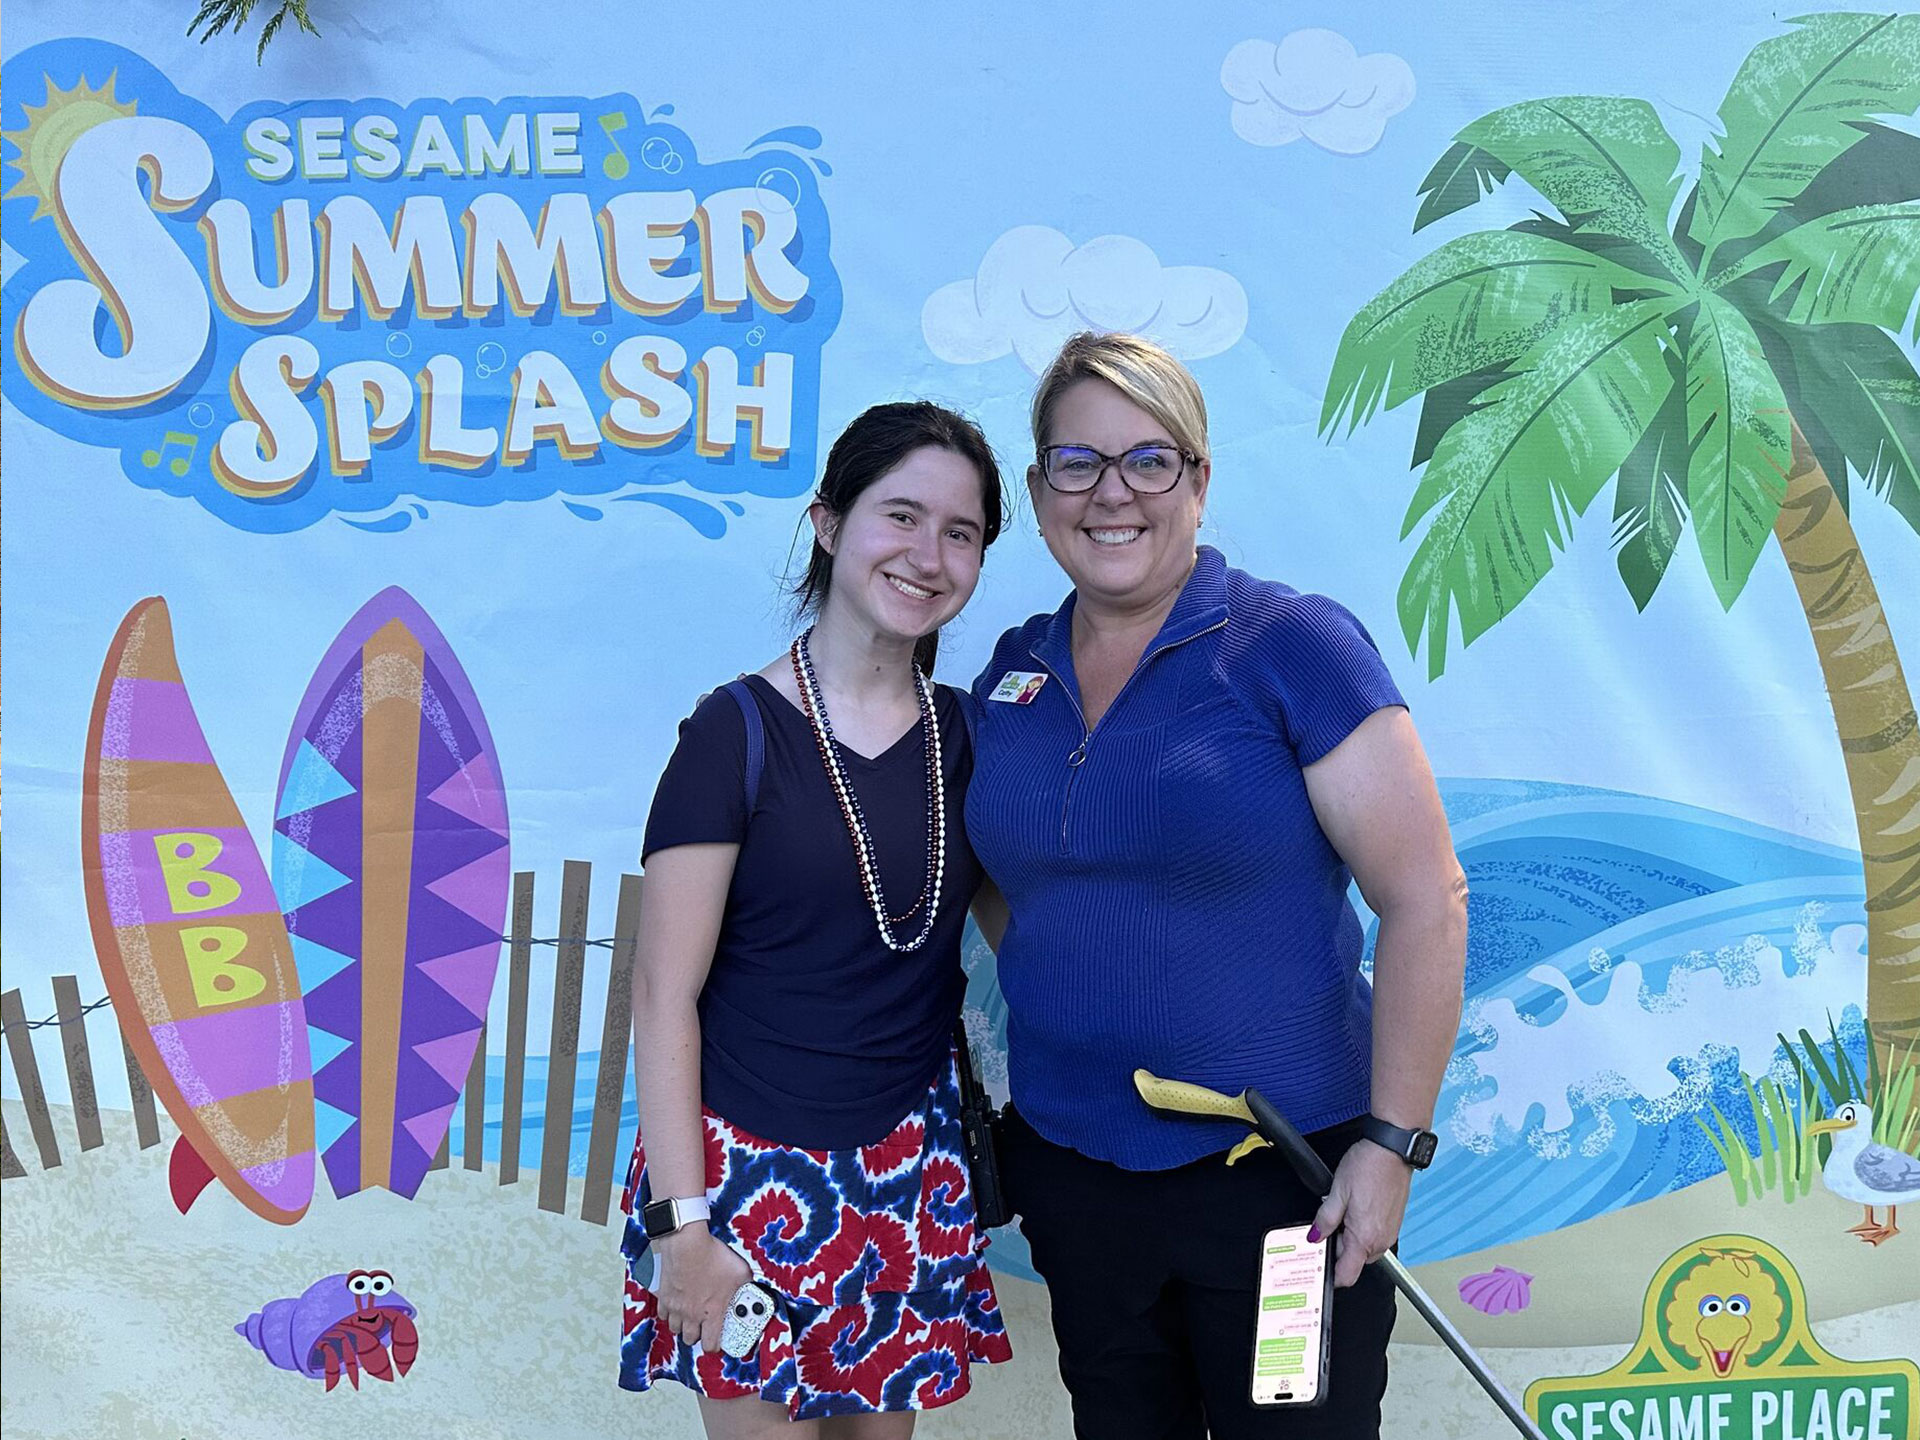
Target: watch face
[
  {"x": 658, "y": 1218},
  {"x": 1424, "y": 1144}
]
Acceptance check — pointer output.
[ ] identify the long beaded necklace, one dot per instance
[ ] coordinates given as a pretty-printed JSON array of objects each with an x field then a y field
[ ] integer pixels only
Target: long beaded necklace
[{"x": 816, "y": 712}]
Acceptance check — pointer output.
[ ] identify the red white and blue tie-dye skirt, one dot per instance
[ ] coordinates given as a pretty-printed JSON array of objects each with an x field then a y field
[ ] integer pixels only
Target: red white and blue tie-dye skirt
[{"x": 883, "y": 1299}]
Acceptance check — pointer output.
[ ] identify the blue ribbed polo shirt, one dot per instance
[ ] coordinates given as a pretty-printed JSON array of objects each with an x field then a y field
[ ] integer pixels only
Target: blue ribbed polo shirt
[{"x": 1174, "y": 902}]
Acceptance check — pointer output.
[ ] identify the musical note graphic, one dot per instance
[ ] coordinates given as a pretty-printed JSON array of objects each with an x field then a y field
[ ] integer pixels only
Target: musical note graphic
[
  {"x": 178, "y": 465},
  {"x": 615, "y": 166}
]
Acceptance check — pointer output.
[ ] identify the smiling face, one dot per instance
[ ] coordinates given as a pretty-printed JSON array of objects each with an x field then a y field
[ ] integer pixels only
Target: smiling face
[
  {"x": 1723, "y": 1330},
  {"x": 906, "y": 554},
  {"x": 1123, "y": 551},
  {"x": 367, "y": 1287}
]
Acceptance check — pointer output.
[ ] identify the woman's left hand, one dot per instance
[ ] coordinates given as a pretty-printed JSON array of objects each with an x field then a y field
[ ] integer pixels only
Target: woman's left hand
[{"x": 1365, "y": 1207}]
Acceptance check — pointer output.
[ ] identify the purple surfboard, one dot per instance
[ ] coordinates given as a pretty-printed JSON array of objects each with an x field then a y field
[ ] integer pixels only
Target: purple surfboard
[{"x": 390, "y": 861}]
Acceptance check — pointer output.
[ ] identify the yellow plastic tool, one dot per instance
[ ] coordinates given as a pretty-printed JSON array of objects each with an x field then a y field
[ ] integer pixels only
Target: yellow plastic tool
[{"x": 1198, "y": 1100}]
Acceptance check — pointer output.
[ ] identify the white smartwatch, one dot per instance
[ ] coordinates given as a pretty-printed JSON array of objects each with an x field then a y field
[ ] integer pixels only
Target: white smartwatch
[{"x": 663, "y": 1217}]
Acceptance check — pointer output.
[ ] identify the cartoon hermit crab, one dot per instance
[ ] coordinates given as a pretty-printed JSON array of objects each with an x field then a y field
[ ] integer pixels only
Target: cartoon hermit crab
[
  {"x": 341, "y": 1324},
  {"x": 1725, "y": 1307}
]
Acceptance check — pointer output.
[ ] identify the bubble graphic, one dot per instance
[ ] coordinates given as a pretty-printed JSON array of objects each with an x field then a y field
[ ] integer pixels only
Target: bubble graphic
[
  {"x": 655, "y": 153},
  {"x": 399, "y": 344},
  {"x": 674, "y": 163},
  {"x": 778, "y": 189},
  {"x": 200, "y": 415},
  {"x": 599, "y": 337},
  {"x": 490, "y": 358},
  {"x": 757, "y": 335}
]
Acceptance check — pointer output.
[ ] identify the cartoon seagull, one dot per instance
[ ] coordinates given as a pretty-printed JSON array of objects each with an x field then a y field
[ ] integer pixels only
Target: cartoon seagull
[{"x": 1866, "y": 1172}]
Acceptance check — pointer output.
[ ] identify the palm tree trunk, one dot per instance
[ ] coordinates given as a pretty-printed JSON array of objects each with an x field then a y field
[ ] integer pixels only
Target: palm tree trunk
[{"x": 1879, "y": 735}]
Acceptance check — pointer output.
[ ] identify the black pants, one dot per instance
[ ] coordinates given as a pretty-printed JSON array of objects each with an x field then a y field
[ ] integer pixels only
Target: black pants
[{"x": 1153, "y": 1277}]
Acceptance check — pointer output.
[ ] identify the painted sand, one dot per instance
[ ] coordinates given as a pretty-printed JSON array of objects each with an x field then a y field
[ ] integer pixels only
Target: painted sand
[{"x": 105, "y": 1334}]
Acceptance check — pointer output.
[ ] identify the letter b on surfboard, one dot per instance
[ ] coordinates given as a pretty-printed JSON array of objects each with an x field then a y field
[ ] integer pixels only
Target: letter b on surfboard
[
  {"x": 212, "y": 955},
  {"x": 191, "y": 886}
]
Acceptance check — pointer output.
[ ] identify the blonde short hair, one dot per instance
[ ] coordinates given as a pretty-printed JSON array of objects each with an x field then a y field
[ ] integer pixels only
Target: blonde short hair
[{"x": 1140, "y": 370}]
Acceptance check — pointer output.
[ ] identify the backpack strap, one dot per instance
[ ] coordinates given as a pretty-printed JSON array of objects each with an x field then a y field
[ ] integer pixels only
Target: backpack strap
[{"x": 756, "y": 736}]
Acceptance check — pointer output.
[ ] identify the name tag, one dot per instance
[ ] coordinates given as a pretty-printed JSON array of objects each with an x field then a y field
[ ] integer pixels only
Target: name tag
[{"x": 1018, "y": 687}]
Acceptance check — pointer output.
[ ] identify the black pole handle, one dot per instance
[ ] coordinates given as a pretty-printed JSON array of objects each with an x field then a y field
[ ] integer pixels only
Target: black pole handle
[{"x": 1279, "y": 1132}]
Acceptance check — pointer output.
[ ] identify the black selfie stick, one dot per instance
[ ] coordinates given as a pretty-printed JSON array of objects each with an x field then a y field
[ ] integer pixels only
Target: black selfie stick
[{"x": 1178, "y": 1097}]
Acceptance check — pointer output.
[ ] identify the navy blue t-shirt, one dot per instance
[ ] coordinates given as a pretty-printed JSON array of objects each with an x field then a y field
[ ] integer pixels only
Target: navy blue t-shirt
[{"x": 812, "y": 1032}]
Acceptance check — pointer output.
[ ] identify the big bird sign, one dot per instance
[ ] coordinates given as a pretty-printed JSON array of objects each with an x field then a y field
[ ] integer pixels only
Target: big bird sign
[{"x": 1725, "y": 1354}]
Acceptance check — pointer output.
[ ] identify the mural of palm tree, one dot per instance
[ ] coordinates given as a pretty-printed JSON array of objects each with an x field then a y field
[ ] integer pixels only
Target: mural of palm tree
[{"x": 1723, "y": 358}]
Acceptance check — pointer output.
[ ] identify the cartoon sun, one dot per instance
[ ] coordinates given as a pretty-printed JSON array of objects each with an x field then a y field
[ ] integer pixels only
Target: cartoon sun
[
  {"x": 1725, "y": 1307},
  {"x": 50, "y": 131}
]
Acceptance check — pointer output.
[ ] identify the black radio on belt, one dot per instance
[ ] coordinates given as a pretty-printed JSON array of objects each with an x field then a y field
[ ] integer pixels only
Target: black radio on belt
[{"x": 979, "y": 1138}]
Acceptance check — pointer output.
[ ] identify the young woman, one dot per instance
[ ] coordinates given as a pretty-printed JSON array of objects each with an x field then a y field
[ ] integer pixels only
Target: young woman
[{"x": 798, "y": 978}]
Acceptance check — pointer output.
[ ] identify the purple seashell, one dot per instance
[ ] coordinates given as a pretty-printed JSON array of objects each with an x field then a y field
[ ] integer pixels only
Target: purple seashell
[
  {"x": 286, "y": 1331},
  {"x": 1498, "y": 1291}
]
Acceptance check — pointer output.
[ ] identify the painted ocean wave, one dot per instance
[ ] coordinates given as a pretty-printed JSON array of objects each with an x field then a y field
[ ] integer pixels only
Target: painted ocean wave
[{"x": 1628, "y": 958}]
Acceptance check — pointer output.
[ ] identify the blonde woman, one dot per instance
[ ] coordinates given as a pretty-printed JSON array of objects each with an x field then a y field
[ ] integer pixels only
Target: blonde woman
[{"x": 1173, "y": 819}]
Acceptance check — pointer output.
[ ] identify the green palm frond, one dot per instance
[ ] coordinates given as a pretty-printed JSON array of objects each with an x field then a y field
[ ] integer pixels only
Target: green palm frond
[
  {"x": 1476, "y": 302},
  {"x": 1860, "y": 265},
  {"x": 1505, "y": 476},
  {"x": 1650, "y": 495},
  {"x": 218, "y": 15},
  {"x": 1857, "y": 398},
  {"x": 1445, "y": 405},
  {"x": 1458, "y": 179},
  {"x": 1792, "y": 109},
  {"x": 1882, "y": 167},
  {"x": 1742, "y": 444},
  {"x": 1678, "y": 355},
  {"x": 1604, "y": 162},
  {"x": 1783, "y": 344}
]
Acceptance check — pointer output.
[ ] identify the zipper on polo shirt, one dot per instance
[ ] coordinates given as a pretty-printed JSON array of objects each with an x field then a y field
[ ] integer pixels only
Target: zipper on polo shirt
[{"x": 1079, "y": 755}]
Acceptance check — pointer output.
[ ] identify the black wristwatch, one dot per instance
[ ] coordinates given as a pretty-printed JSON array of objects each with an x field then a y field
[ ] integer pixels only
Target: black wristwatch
[
  {"x": 663, "y": 1217},
  {"x": 1416, "y": 1147}
]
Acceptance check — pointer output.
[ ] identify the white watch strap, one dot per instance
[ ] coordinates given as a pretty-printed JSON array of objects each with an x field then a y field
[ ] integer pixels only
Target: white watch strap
[{"x": 686, "y": 1211}]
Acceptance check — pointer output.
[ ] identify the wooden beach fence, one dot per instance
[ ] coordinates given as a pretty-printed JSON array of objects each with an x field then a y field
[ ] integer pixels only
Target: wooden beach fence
[{"x": 569, "y": 946}]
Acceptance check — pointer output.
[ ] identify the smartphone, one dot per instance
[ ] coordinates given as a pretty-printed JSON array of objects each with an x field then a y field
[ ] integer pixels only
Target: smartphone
[
  {"x": 1293, "y": 1330},
  {"x": 748, "y": 1315}
]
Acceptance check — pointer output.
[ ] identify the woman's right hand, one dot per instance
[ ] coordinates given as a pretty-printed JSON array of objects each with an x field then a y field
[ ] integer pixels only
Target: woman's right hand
[{"x": 698, "y": 1275}]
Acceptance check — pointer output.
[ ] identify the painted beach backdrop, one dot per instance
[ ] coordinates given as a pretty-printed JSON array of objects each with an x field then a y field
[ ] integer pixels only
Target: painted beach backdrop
[{"x": 1572, "y": 349}]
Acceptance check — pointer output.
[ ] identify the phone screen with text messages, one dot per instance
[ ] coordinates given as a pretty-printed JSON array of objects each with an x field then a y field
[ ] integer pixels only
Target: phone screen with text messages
[{"x": 1291, "y": 1332}]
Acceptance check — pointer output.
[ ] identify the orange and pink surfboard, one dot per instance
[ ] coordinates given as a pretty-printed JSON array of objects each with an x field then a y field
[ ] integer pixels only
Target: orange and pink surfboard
[{"x": 190, "y": 936}]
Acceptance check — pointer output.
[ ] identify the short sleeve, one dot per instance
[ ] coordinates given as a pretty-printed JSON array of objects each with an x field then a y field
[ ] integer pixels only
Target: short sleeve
[
  {"x": 959, "y": 715},
  {"x": 1328, "y": 673},
  {"x": 702, "y": 795}
]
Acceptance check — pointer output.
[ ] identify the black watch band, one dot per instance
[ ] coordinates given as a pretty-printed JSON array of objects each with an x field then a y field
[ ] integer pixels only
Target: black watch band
[{"x": 1416, "y": 1147}]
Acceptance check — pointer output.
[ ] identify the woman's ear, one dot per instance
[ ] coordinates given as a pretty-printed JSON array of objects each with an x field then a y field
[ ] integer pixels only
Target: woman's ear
[
  {"x": 1202, "y": 473},
  {"x": 826, "y": 525}
]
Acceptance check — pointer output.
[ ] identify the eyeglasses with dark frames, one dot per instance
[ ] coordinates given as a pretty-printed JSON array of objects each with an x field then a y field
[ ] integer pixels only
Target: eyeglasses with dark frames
[{"x": 1145, "y": 469}]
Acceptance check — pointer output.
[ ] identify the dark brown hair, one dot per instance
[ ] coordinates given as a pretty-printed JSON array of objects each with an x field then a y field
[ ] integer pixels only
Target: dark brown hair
[{"x": 877, "y": 442}]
